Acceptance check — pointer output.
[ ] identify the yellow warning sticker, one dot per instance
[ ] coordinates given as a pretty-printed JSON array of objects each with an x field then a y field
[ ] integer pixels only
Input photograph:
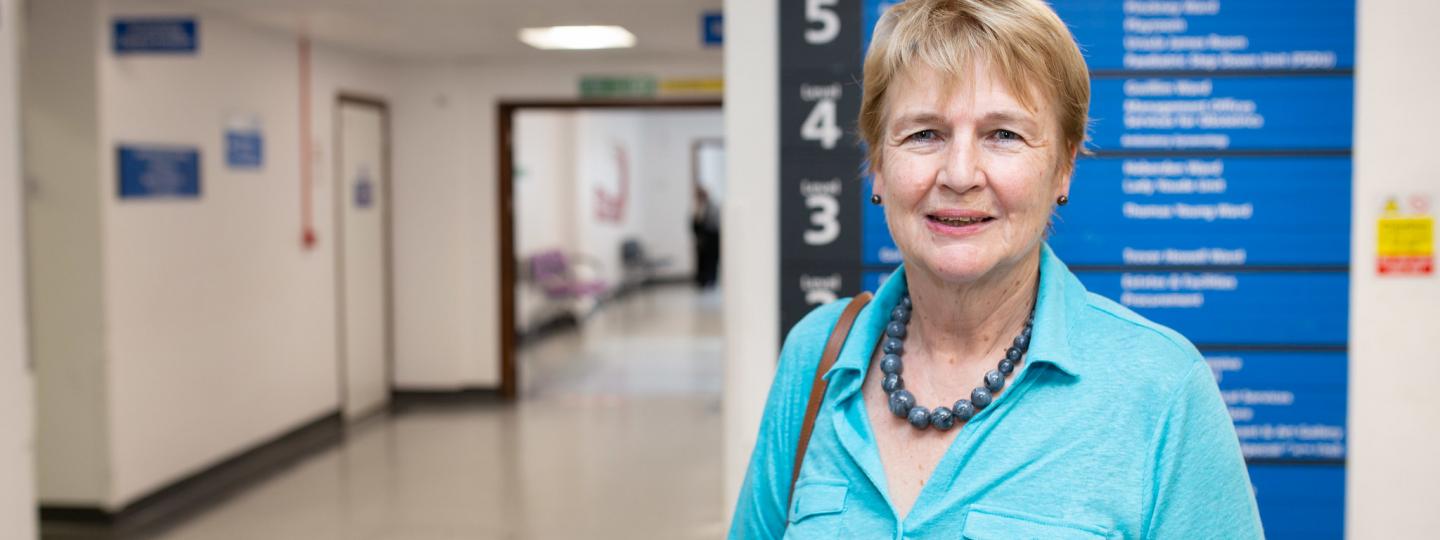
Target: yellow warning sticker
[{"x": 1406, "y": 243}]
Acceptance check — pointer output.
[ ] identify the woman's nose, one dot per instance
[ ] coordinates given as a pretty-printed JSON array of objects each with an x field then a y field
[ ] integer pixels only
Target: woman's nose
[{"x": 961, "y": 170}]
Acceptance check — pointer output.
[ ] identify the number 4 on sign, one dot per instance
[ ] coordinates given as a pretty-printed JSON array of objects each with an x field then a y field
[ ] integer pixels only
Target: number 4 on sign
[{"x": 821, "y": 125}]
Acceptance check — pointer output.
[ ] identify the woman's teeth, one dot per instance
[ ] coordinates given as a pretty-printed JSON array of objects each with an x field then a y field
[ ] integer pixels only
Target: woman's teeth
[{"x": 958, "y": 221}]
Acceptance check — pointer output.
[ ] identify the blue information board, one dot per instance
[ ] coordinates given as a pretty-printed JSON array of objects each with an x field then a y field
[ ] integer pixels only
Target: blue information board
[
  {"x": 152, "y": 35},
  {"x": 1222, "y": 113},
  {"x": 1217, "y": 202},
  {"x": 1213, "y": 35},
  {"x": 1196, "y": 211},
  {"x": 158, "y": 171}
]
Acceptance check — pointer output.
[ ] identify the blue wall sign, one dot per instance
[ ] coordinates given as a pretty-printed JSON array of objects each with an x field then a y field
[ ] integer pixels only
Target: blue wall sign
[
  {"x": 1201, "y": 211},
  {"x": 1222, "y": 113},
  {"x": 158, "y": 172},
  {"x": 1213, "y": 35},
  {"x": 167, "y": 35},
  {"x": 364, "y": 189},
  {"x": 244, "y": 149},
  {"x": 1301, "y": 502},
  {"x": 712, "y": 28},
  {"x": 1286, "y": 405}
]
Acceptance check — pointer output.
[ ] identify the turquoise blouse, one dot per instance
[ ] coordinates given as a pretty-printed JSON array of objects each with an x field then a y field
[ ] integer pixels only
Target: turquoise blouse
[{"x": 1112, "y": 428}]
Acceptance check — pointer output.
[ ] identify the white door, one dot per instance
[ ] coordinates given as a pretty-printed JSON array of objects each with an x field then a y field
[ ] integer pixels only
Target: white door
[{"x": 364, "y": 307}]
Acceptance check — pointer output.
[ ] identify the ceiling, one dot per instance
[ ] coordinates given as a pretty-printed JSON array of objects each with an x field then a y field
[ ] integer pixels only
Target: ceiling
[{"x": 479, "y": 29}]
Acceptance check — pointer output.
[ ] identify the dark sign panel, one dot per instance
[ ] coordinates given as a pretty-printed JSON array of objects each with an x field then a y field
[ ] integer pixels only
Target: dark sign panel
[
  {"x": 155, "y": 35},
  {"x": 158, "y": 172}
]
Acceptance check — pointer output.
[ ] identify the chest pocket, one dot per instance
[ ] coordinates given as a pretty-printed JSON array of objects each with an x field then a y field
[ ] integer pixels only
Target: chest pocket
[
  {"x": 990, "y": 524},
  {"x": 818, "y": 497}
]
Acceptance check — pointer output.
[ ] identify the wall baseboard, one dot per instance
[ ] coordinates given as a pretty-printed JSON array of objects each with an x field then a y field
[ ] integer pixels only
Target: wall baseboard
[
  {"x": 193, "y": 494},
  {"x": 401, "y": 400}
]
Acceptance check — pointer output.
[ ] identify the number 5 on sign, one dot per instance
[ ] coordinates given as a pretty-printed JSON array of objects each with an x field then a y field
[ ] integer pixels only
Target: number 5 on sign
[
  {"x": 822, "y": 12},
  {"x": 821, "y": 125}
]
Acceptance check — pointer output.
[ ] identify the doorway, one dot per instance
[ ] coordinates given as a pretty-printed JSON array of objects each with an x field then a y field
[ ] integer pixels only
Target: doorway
[
  {"x": 362, "y": 225},
  {"x": 606, "y": 203}
]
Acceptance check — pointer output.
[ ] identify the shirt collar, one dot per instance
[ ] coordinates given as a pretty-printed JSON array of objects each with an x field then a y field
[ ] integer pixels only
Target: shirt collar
[{"x": 1061, "y": 298}]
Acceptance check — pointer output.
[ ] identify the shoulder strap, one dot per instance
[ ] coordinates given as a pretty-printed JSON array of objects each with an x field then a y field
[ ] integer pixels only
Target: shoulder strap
[{"x": 817, "y": 388}]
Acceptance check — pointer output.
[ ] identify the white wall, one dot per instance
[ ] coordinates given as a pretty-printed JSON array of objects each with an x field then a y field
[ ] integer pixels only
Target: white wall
[
  {"x": 447, "y": 274},
  {"x": 1393, "y": 477},
  {"x": 217, "y": 327},
  {"x": 553, "y": 210},
  {"x": 601, "y": 138},
  {"x": 544, "y": 201},
  {"x": 17, "y": 435},
  {"x": 667, "y": 184},
  {"x": 63, "y": 250},
  {"x": 749, "y": 245}
]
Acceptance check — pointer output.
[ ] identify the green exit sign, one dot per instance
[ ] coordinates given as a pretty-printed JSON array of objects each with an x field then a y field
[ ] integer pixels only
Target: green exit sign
[{"x": 618, "y": 87}]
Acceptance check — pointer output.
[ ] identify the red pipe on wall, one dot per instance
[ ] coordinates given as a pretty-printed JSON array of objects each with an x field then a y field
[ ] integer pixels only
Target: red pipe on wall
[{"x": 307, "y": 180}]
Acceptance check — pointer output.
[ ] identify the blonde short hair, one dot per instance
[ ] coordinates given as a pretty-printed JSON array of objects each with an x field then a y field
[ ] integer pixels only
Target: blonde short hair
[{"x": 1031, "y": 50}]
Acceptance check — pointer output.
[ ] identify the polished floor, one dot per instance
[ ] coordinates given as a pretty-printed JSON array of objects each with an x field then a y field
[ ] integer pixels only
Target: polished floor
[{"x": 617, "y": 435}]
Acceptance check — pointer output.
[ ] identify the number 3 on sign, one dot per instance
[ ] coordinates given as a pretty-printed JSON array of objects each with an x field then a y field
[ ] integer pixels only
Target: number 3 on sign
[
  {"x": 821, "y": 125},
  {"x": 824, "y": 211},
  {"x": 822, "y": 12}
]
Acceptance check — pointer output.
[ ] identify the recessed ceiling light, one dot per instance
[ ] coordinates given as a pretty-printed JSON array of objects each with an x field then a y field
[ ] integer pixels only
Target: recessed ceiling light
[{"x": 577, "y": 37}]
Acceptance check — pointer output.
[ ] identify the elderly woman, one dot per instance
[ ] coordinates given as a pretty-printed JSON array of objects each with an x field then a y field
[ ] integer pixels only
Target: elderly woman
[{"x": 984, "y": 393}]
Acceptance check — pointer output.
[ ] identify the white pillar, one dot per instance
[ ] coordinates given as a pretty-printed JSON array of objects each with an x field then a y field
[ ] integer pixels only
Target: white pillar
[
  {"x": 1393, "y": 475},
  {"x": 750, "y": 243}
]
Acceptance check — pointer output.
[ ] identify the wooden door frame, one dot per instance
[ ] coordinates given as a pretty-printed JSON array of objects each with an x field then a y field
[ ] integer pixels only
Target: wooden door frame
[
  {"x": 342, "y": 191},
  {"x": 505, "y": 152}
]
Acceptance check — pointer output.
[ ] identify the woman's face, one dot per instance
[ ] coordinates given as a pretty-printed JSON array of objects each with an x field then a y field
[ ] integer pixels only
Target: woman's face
[{"x": 969, "y": 176}]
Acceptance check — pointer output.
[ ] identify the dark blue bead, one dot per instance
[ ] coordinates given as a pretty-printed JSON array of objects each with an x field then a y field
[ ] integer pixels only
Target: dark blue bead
[
  {"x": 905, "y": 301},
  {"x": 994, "y": 381},
  {"x": 919, "y": 417},
  {"x": 963, "y": 410},
  {"x": 1006, "y": 367},
  {"x": 900, "y": 313},
  {"x": 896, "y": 330},
  {"x": 900, "y": 403},
  {"x": 1022, "y": 342},
  {"x": 892, "y": 382},
  {"x": 1025, "y": 331},
  {"x": 980, "y": 397},
  {"x": 942, "y": 418},
  {"x": 891, "y": 364},
  {"x": 1012, "y": 354},
  {"x": 893, "y": 346}
]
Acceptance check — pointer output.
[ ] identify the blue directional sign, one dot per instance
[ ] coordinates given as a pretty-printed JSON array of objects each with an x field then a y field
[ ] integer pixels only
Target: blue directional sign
[
  {"x": 155, "y": 35},
  {"x": 1222, "y": 113},
  {"x": 1286, "y": 405},
  {"x": 712, "y": 28},
  {"x": 151, "y": 171},
  {"x": 1235, "y": 308},
  {"x": 1213, "y": 35},
  {"x": 1237, "y": 211}
]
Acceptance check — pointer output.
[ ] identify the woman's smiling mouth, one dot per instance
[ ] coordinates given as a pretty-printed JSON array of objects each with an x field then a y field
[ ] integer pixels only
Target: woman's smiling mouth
[{"x": 953, "y": 222}]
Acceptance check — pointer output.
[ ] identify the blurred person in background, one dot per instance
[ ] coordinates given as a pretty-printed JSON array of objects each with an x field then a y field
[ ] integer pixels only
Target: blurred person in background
[
  {"x": 705, "y": 224},
  {"x": 984, "y": 392}
]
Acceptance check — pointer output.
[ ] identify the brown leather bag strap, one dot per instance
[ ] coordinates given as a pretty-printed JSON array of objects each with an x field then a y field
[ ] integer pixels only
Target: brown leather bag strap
[{"x": 817, "y": 388}]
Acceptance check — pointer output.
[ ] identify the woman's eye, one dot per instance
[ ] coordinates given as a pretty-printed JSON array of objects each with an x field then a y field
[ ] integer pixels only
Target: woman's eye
[
  {"x": 1007, "y": 135},
  {"x": 924, "y": 135}
]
